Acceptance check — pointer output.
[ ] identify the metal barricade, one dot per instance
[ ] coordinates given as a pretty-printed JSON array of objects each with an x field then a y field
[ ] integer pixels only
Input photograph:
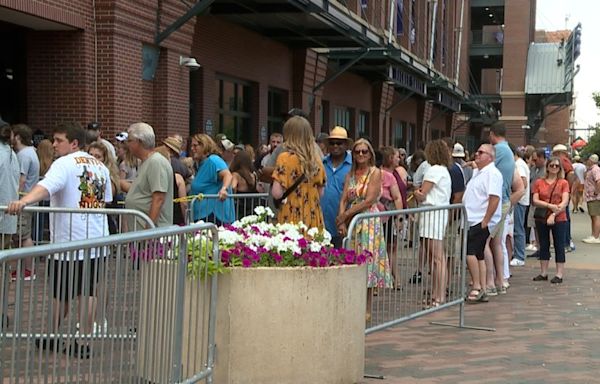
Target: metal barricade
[
  {"x": 139, "y": 315},
  {"x": 425, "y": 249},
  {"x": 234, "y": 207}
]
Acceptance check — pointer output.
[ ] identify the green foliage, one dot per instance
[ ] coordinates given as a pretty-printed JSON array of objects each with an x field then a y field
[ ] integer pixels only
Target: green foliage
[
  {"x": 593, "y": 145},
  {"x": 200, "y": 263},
  {"x": 596, "y": 97}
]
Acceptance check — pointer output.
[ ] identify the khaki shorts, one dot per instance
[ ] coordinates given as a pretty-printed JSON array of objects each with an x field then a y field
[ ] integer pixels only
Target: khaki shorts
[
  {"x": 24, "y": 225},
  {"x": 593, "y": 207},
  {"x": 499, "y": 229}
]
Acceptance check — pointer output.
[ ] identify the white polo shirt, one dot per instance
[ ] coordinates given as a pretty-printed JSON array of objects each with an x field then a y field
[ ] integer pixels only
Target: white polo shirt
[
  {"x": 484, "y": 183},
  {"x": 524, "y": 171}
]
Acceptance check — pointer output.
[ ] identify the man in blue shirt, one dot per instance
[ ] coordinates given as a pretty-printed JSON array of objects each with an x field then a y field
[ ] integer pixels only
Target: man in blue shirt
[
  {"x": 505, "y": 162},
  {"x": 337, "y": 165}
]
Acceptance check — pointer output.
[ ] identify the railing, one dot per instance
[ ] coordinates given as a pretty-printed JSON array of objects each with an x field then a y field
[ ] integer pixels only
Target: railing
[
  {"x": 233, "y": 208},
  {"x": 145, "y": 310}
]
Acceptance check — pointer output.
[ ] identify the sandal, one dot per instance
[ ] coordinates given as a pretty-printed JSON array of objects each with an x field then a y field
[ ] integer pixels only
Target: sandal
[
  {"x": 540, "y": 278},
  {"x": 478, "y": 297}
]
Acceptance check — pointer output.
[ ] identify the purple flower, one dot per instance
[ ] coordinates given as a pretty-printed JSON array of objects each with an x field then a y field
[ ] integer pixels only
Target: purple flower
[{"x": 246, "y": 263}]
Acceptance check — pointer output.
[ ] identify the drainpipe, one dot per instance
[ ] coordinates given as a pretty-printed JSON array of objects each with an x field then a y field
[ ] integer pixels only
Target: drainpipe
[
  {"x": 392, "y": 15},
  {"x": 95, "y": 61},
  {"x": 460, "y": 32},
  {"x": 433, "y": 20}
]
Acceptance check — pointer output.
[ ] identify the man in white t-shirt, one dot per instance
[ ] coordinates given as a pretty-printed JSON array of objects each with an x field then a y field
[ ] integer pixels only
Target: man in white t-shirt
[
  {"x": 482, "y": 204},
  {"x": 519, "y": 213},
  {"x": 74, "y": 180},
  {"x": 577, "y": 193}
]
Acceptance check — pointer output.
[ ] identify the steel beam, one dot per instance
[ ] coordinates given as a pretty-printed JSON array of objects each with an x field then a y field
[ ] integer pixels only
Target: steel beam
[{"x": 198, "y": 8}]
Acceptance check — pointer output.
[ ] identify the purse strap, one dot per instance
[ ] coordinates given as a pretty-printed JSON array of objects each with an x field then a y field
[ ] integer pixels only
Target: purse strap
[
  {"x": 292, "y": 188},
  {"x": 552, "y": 192}
]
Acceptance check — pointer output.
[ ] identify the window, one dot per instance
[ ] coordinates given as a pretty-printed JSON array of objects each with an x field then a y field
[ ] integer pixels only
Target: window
[
  {"x": 276, "y": 110},
  {"x": 341, "y": 117},
  {"x": 363, "y": 125},
  {"x": 412, "y": 24},
  {"x": 233, "y": 110},
  {"x": 398, "y": 134}
]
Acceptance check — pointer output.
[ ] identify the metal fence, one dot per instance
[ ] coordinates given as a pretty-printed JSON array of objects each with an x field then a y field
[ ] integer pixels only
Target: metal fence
[
  {"x": 419, "y": 262},
  {"x": 140, "y": 314},
  {"x": 233, "y": 208}
]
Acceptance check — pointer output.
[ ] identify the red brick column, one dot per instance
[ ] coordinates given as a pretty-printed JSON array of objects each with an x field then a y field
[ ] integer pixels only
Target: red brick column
[
  {"x": 383, "y": 95},
  {"x": 309, "y": 69}
]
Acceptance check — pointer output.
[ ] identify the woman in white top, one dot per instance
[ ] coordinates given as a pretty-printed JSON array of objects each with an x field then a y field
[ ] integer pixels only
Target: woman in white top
[{"x": 435, "y": 191}]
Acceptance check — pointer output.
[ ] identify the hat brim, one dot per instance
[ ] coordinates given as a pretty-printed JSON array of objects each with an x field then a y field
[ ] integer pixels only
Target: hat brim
[
  {"x": 348, "y": 140},
  {"x": 458, "y": 154},
  {"x": 172, "y": 147}
]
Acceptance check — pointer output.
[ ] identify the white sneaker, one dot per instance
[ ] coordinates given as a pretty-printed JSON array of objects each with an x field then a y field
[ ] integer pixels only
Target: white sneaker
[
  {"x": 585, "y": 240},
  {"x": 516, "y": 263},
  {"x": 593, "y": 240},
  {"x": 531, "y": 247}
]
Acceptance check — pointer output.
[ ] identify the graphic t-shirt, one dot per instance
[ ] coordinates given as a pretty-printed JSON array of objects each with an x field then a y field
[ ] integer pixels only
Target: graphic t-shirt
[{"x": 77, "y": 180}]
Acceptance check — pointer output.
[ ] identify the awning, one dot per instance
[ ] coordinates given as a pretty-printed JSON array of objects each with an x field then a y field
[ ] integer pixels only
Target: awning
[
  {"x": 545, "y": 70},
  {"x": 578, "y": 143}
]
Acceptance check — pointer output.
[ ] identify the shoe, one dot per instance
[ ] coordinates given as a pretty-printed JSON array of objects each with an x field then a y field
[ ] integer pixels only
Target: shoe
[
  {"x": 80, "y": 351},
  {"x": 535, "y": 254},
  {"x": 572, "y": 244},
  {"x": 491, "y": 291},
  {"x": 556, "y": 280},
  {"x": 540, "y": 278},
  {"x": 27, "y": 275},
  {"x": 581, "y": 210},
  {"x": 502, "y": 290},
  {"x": 585, "y": 239},
  {"x": 592, "y": 240},
  {"x": 517, "y": 263},
  {"x": 531, "y": 247},
  {"x": 416, "y": 278},
  {"x": 569, "y": 249},
  {"x": 506, "y": 284}
]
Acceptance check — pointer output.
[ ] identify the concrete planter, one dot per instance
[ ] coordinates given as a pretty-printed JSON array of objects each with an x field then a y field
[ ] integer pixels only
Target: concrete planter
[{"x": 274, "y": 325}]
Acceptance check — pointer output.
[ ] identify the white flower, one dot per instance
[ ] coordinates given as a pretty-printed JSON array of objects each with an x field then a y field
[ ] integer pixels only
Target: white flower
[
  {"x": 314, "y": 246},
  {"x": 313, "y": 232},
  {"x": 260, "y": 210}
]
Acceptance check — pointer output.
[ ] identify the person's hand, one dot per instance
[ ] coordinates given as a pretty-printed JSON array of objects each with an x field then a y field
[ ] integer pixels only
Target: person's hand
[
  {"x": 15, "y": 207},
  {"x": 223, "y": 194},
  {"x": 342, "y": 230},
  {"x": 555, "y": 208},
  {"x": 484, "y": 224},
  {"x": 419, "y": 195},
  {"x": 551, "y": 220},
  {"x": 341, "y": 219}
]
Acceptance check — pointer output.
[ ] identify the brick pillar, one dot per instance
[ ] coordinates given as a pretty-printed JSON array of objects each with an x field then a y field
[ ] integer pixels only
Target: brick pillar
[
  {"x": 424, "y": 109},
  {"x": 309, "y": 69},
  {"x": 383, "y": 95}
]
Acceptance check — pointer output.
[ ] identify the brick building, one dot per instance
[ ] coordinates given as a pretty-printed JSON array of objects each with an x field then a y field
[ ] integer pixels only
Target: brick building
[{"x": 397, "y": 72}]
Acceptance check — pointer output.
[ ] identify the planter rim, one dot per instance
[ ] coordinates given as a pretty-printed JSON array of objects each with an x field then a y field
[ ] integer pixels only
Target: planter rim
[{"x": 303, "y": 268}]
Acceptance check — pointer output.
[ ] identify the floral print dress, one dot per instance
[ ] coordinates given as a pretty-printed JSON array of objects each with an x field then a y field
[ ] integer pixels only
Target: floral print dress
[
  {"x": 369, "y": 235},
  {"x": 304, "y": 203}
]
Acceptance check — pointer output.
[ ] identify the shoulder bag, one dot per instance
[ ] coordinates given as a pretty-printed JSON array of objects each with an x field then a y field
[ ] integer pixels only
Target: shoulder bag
[{"x": 542, "y": 213}]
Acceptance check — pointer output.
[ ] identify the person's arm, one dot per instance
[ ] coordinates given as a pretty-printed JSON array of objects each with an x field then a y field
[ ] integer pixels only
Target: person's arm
[
  {"x": 564, "y": 202},
  {"x": 277, "y": 190},
  {"x": 38, "y": 193},
  {"x": 181, "y": 192},
  {"x": 421, "y": 193},
  {"x": 396, "y": 196},
  {"x": 227, "y": 178},
  {"x": 265, "y": 174},
  {"x": 124, "y": 185},
  {"x": 158, "y": 199},
  {"x": 373, "y": 191},
  {"x": 457, "y": 197},
  {"x": 235, "y": 181},
  {"x": 22, "y": 179},
  {"x": 517, "y": 187},
  {"x": 493, "y": 202}
]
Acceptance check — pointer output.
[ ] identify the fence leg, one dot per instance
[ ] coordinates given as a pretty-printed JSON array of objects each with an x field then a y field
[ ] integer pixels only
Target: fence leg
[
  {"x": 461, "y": 322},
  {"x": 378, "y": 377}
]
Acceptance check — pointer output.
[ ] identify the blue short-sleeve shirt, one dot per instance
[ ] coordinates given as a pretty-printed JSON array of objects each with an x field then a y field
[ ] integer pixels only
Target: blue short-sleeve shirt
[{"x": 207, "y": 182}]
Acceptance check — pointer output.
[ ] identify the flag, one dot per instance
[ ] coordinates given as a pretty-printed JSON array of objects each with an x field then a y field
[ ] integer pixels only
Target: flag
[{"x": 399, "y": 17}]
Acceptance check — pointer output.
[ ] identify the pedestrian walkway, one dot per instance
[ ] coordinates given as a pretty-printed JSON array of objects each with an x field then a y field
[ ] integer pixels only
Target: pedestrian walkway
[{"x": 544, "y": 333}]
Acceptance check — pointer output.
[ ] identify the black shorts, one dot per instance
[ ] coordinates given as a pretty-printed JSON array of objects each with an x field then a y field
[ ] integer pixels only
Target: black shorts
[
  {"x": 476, "y": 239},
  {"x": 73, "y": 278}
]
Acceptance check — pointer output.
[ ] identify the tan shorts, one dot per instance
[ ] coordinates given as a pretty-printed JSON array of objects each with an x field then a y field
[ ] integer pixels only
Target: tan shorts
[
  {"x": 499, "y": 229},
  {"x": 593, "y": 207},
  {"x": 24, "y": 225}
]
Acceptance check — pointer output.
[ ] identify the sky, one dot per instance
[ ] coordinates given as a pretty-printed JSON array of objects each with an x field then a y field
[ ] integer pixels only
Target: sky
[{"x": 565, "y": 14}]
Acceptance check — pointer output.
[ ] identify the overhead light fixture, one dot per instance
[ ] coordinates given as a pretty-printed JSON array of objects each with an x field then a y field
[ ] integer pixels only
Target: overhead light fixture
[
  {"x": 189, "y": 62},
  {"x": 491, "y": 15}
]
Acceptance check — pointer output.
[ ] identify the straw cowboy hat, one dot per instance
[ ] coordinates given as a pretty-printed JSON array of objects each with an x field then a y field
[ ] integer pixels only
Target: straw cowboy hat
[
  {"x": 560, "y": 148},
  {"x": 339, "y": 133},
  {"x": 173, "y": 143}
]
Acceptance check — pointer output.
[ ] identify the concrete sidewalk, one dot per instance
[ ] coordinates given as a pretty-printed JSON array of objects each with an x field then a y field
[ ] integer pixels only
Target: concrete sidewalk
[{"x": 544, "y": 333}]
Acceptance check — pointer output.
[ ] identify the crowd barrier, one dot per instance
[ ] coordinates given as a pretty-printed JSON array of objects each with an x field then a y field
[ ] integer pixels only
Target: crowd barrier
[
  {"x": 141, "y": 304},
  {"x": 425, "y": 249},
  {"x": 233, "y": 208}
]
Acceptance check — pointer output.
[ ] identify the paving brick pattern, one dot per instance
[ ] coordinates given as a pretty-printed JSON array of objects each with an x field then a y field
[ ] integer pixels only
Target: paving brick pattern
[{"x": 544, "y": 334}]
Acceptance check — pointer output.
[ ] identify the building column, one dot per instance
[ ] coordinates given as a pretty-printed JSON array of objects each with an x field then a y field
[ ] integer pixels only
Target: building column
[
  {"x": 381, "y": 132},
  {"x": 309, "y": 69}
]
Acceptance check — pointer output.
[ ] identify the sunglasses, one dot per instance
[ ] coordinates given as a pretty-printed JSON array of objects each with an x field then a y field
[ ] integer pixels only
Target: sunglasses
[
  {"x": 482, "y": 152},
  {"x": 361, "y": 151},
  {"x": 554, "y": 165},
  {"x": 336, "y": 142}
]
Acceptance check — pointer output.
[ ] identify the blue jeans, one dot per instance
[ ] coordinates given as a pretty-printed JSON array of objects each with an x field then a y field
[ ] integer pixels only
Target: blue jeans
[
  {"x": 568, "y": 231},
  {"x": 519, "y": 231},
  {"x": 559, "y": 231}
]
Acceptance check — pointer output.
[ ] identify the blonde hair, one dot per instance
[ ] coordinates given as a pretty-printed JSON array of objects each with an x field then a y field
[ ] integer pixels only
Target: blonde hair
[
  {"x": 371, "y": 150},
  {"x": 561, "y": 170},
  {"x": 299, "y": 140},
  {"x": 109, "y": 162},
  {"x": 45, "y": 152},
  {"x": 207, "y": 144}
]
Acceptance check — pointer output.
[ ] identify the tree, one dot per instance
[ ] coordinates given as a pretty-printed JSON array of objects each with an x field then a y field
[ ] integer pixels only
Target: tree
[{"x": 593, "y": 145}]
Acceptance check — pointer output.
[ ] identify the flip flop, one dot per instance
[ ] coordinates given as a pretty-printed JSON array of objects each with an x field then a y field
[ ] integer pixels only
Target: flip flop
[{"x": 481, "y": 297}]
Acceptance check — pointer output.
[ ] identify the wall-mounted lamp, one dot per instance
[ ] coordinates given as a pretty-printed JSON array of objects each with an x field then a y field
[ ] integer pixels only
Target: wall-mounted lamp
[{"x": 189, "y": 62}]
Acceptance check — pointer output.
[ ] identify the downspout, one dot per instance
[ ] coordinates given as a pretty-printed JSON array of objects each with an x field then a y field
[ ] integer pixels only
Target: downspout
[
  {"x": 392, "y": 9},
  {"x": 433, "y": 21},
  {"x": 460, "y": 32},
  {"x": 95, "y": 61}
]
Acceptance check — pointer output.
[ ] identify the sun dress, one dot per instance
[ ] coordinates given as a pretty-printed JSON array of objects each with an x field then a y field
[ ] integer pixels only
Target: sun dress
[
  {"x": 303, "y": 204},
  {"x": 369, "y": 235}
]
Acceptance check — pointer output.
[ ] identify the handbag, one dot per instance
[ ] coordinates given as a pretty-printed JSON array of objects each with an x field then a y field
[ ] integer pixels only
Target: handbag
[
  {"x": 279, "y": 202},
  {"x": 541, "y": 213}
]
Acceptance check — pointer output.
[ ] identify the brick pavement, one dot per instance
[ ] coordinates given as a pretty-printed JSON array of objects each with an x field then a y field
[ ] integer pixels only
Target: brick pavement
[{"x": 544, "y": 333}]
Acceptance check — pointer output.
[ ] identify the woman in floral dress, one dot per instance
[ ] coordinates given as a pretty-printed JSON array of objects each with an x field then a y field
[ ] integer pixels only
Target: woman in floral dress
[
  {"x": 362, "y": 189},
  {"x": 301, "y": 158}
]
